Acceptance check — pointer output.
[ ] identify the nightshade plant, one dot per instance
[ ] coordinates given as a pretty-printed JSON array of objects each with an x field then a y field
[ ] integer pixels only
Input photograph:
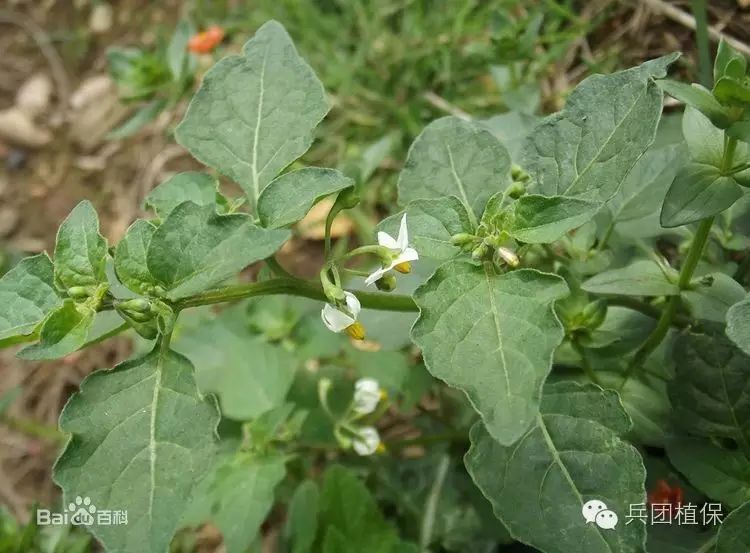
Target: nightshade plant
[{"x": 588, "y": 300}]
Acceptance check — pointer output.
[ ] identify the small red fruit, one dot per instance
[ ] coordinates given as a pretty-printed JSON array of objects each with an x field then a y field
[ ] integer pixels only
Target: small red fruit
[{"x": 205, "y": 42}]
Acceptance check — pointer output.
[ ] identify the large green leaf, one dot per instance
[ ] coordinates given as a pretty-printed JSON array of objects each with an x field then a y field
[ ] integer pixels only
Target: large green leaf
[
  {"x": 191, "y": 186},
  {"x": 302, "y": 517},
  {"x": 452, "y": 157},
  {"x": 719, "y": 473},
  {"x": 738, "y": 324},
  {"x": 431, "y": 225},
  {"x": 249, "y": 375},
  {"x": 588, "y": 149},
  {"x": 64, "y": 331},
  {"x": 238, "y": 495},
  {"x": 130, "y": 257},
  {"x": 288, "y": 198},
  {"x": 80, "y": 251},
  {"x": 734, "y": 534},
  {"x": 711, "y": 389},
  {"x": 572, "y": 454},
  {"x": 697, "y": 97},
  {"x": 640, "y": 278},
  {"x": 195, "y": 248},
  {"x": 541, "y": 219},
  {"x": 141, "y": 436},
  {"x": 493, "y": 337},
  {"x": 511, "y": 128},
  {"x": 255, "y": 112},
  {"x": 27, "y": 296}
]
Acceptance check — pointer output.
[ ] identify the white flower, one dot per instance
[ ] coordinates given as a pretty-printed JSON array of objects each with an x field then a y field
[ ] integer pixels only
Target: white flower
[
  {"x": 344, "y": 319},
  {"x": 367, "y": 441},
  {"x": 367, "y": 395},
  {"x": 403, "y": 254}
]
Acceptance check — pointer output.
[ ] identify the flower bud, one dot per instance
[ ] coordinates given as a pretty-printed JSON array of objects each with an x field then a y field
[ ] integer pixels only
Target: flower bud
[
  {"x": 79, "y": 292},
  {"x": 507, "y": 256},
  {"x": 594, "y": 313},
  {"x": 480, "y": 252},
  {"x": 367, "y": 441},
  {"x": 386, "y": 283},
  {"x": 367, "y": 395},
  {"x": 462, "y": 238},
  {"x": 136, "y": 305}
]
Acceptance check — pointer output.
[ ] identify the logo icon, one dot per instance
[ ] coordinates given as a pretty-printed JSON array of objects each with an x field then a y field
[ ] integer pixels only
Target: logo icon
[
  {"x": 82, "y": 511},
  {"x": 596, "y": 511}
]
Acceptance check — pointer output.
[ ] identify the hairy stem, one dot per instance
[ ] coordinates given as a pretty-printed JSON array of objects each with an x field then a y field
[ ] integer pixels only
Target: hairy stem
[{"x": 293, "y": 287}]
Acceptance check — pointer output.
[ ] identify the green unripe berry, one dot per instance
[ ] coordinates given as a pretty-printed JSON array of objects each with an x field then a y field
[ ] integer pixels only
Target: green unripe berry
[{"x": 386, "y": 283}]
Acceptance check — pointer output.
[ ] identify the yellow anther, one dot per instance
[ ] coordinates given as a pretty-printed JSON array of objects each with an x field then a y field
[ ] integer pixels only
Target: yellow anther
[
  {"x": 404, "y": 268},
  {"x": 356, "y": 330}
]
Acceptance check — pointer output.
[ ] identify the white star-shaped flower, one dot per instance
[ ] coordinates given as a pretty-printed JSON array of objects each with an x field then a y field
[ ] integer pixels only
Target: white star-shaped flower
[
  {"x": 402, "y": 253},
  {"x": 367, "y": 441},
  {"x": 344, "y": 319},
  {"x": 367, "y": 395}
]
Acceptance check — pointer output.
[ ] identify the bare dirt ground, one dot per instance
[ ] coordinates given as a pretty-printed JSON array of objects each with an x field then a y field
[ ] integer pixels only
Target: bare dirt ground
[{"x": 53, "y": 63}]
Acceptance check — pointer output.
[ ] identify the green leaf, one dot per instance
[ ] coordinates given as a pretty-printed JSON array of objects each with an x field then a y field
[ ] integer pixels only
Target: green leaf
[
  {"x": 730, "y": 91},
  {"x": 249, "y": 375},
  {"x": 255, "y": 113},
  {"x": 130, "y": 257},
  {"x": 706, "y": 144},
  {"x": 640, "y": 278},
  {"x": 191, "y": 186},
  {"x": 28, "y": 295},
  {"x": 452, "y": 157},
  {"x": 288, "y": 198},
  {"x": 725, "y": 55},
  {"x": 697, "y": 192},
  {"x": 493, "y": 337},
  {"x": 80, "y": 251},
  {"x": 64, "y": 331},
  {"x": 588, "y": 149},
  {"x": 142, "y": 117},
  {"x": 638, "y": 202},
  {"x": 738, "y": 324},
  {"x": 710, "y": 391},
  {"x": 141, "y": 436},
  {"x": 511, "y": 129},
  {"x": 195, "y": 248},
  {"x": 302, "y": 517},
  {"x": 572, "y": 454},
  {"x": 740, "y": 130},
  {"x": 542, "y": 220},
  {"x": 177, "y": 50},
  {"x": 712, "y": 301},
  {"x": 719, "y": 473},
  {"x": 431, "y": 224},
  {"x": 699, "y": 98},
  {"x": 734, "y": 534},
  {"x": 349, "y": 517},
  {"x": 241, "y": 494}
]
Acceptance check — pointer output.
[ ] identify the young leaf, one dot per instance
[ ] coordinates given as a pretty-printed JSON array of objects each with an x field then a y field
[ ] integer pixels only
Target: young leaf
[
  {"x": 80, "y": 251},
  {"x": 738, "y": 324},
  {"x": 195, "y": 248},
  {"x": 255, "y": 113},
  {"x": 542, "y": 220},
  {"x": 432, "y": 223},
  {"x": 588, "y": 149},
  {"x": 493, "y": 337},
  {"x": 712, "y": 301},
  {"x": 698, "y": 191},
  {"x": 452, "y": 157},
  {"x": 699, "y": 98},
  {"x": 191, "y": 186},
  {"x": 572, "y": 454},
  {"x": 734, "y": 534},
  {"x": 241, "y": 494},
  {"x": 725, "y": 55},
  {"x": 177, "y": 50},
  {"x": 249, "y": 375},
  {"x": 288, "y": 198},
  {"x": 130, "y": 257},
  {"x": 730, "y": 91},
  {"x": 302, "y": 517},
  {"x": 28, "y": 295},
  {"x": 141, "y": 436},
  {"x": 719, "y": 473},
  {"x": 64, "y": 331},
  {"x": 710, "y": 390},
  {"x": 640, "y": 278},
  {"x": 142, "y": 117}
]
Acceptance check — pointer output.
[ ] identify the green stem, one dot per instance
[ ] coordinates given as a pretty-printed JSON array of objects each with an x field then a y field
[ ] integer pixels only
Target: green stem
[
  {"x": 294, "y": 287},
  {"x": 585, "y": 365},
  {"x": 665, "y": 321},
  {"x": 276, "y": 268},
  {"x": 701, "y": 38}
]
